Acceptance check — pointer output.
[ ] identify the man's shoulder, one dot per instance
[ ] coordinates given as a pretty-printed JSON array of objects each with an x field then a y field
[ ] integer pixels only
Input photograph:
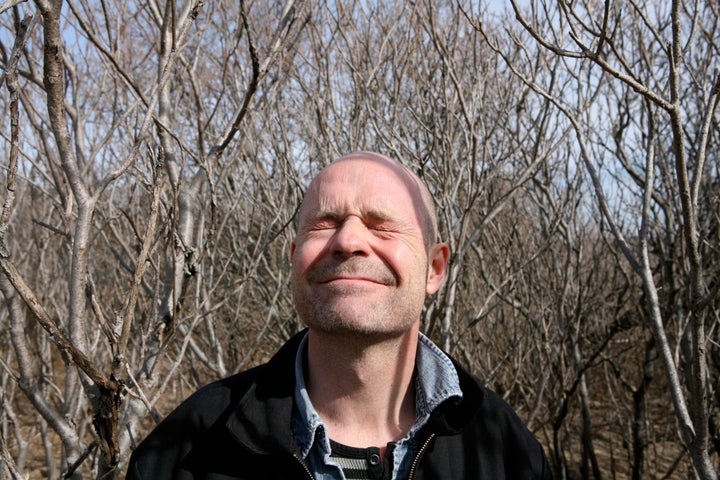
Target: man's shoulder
[
  {"x": 214, "y": 416},
  {"x": 213, "y": 398},
  {"x": 486, "y": 421},
  {"x": 484, "y": 412},
  {"x": 210, "y": 401},
  {"x": 486, "y": 404},
  {"x": 201, "y": 410}
]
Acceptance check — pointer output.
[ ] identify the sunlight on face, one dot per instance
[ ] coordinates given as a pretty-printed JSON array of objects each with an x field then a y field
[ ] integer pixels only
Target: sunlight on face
[{"x": 361, "y": 261}]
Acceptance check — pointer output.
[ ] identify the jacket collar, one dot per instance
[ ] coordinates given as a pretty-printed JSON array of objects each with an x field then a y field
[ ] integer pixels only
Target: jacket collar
[{"x": 261, "y": 420}]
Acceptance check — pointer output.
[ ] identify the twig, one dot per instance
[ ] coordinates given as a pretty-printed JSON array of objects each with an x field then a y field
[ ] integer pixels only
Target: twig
[
  {"x": 8, "y": 4},
  {"x": 12, "y": 85},
  {"x": 72, "y": 468}
]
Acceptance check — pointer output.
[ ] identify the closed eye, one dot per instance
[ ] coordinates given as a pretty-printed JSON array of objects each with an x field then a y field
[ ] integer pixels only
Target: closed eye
[
  {"x": 381, "y": 228},
  {"x": 381, "y": 223},
  {"x": 324, "y": 225},
  {"x": 324, "y": 222}
]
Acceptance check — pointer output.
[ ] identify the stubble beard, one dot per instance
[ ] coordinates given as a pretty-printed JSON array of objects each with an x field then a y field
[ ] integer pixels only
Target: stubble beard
[
  {"x": 372, "y": 320},
  {"x": 340, "y": 311}
]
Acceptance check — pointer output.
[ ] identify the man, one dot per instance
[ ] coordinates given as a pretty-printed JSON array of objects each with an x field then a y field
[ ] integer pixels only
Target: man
[{"x": 361, "y": 393}]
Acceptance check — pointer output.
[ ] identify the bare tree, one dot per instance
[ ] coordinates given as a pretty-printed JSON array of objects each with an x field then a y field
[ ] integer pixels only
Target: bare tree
[
  {"x": 157, "y": 153},
  {"x": 124, "y": 189},
  {"x": 648, "y": 70}
]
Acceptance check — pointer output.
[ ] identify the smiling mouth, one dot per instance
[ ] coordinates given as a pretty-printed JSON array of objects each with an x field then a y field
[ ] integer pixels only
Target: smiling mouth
[
  {"x": 350, "y": 272},
  {"x": 352, "y": 279}
]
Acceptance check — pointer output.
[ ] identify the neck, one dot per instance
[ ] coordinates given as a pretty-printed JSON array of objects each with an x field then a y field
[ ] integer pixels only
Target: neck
[{"x": 363, "y": 391}]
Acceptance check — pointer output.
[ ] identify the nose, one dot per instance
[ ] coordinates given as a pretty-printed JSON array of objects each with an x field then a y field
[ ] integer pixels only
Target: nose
[{"x": 350, "y": 238}]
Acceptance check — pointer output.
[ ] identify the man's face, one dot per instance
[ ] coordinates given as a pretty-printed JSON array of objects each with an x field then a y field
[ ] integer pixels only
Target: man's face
[{"x": 360, "y": 263}]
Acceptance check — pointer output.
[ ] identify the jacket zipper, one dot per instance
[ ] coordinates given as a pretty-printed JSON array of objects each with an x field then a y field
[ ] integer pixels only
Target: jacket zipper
[
  {"x": 305, "y": 468},
  {"x": 418, "y": 455}
]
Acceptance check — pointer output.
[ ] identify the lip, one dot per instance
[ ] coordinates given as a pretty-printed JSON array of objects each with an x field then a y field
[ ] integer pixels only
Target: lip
[{"x": 350, "y": 279}]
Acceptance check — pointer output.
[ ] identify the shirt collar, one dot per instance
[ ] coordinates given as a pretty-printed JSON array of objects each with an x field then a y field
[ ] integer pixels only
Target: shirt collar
[
  {"x": 306, "y": 423},
  {"x": 436, "y": 381}
]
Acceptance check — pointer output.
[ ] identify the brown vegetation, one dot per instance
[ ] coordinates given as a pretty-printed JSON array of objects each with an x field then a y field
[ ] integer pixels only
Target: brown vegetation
[{"x": 156, "y": 153}]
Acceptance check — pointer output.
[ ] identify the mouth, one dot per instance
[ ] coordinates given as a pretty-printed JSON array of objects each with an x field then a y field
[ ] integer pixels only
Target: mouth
[
  {"x": 351, "y": 272},
  {"x": 351, "y": 279}
]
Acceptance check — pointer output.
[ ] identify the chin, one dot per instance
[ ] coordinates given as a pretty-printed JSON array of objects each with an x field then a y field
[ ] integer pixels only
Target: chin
[{"x": 358, "y": 328}]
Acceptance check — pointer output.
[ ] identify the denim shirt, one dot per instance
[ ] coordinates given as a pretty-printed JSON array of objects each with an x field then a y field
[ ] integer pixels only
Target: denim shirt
[{"x": 436, "y": 381}]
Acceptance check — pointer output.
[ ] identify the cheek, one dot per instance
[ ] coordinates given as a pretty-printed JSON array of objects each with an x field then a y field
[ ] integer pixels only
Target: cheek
[
  {"x": 408, "y": 263},
  {"x": 307, "y": 253}
]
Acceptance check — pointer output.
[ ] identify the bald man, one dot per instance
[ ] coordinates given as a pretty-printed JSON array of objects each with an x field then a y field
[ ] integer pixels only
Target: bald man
[{"x": 360, "y": 393}]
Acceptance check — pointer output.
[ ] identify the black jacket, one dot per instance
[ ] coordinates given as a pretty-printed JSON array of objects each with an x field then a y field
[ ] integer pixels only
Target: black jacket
[{"x": 239, "y": 428}]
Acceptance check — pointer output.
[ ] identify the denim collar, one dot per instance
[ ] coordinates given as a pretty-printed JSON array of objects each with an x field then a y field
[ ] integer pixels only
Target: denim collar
[{"x": 436, "y": 381}]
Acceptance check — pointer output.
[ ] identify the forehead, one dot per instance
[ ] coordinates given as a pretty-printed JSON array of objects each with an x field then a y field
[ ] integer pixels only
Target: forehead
[{"x": 363, "y": 187}]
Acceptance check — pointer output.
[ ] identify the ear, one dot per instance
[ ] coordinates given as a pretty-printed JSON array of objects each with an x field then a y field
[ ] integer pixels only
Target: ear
[
  {"x": 437, "y": 267},
  {"x": 292, "y": 251}
]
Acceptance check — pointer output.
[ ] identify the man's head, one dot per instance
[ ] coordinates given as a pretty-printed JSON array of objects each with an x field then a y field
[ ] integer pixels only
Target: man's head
[{"x": 366, "y": 250}]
